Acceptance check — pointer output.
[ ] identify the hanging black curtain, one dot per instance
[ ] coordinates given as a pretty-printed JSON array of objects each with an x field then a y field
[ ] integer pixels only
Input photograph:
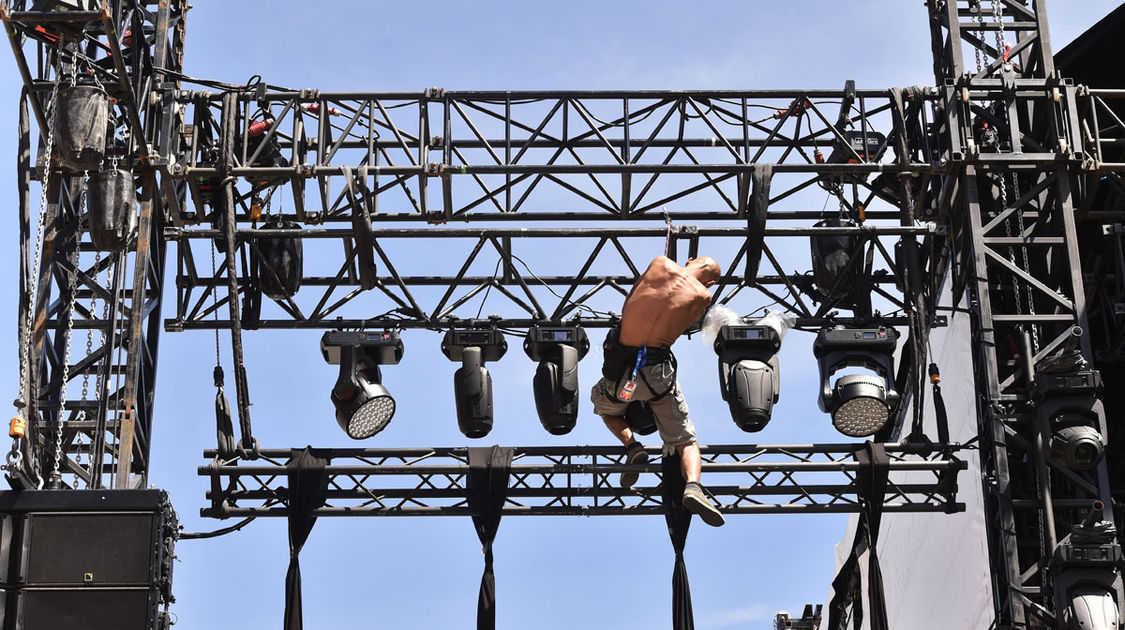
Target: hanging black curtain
[
  {"x": 487, "y": 487},
  {"x": 871, "y": 486},
  {"x": 679, "y": 520},
  {"x": 308, "y": 486}
]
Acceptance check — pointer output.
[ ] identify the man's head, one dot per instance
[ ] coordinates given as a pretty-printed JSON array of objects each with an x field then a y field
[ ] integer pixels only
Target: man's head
[{"x": 704, "y": 269}]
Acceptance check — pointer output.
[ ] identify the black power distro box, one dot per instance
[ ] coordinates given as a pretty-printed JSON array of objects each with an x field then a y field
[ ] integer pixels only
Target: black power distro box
[{"x": 91, "y": 559}]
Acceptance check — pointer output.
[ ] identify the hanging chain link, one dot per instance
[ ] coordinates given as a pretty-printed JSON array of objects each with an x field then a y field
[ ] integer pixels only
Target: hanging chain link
[
  {"x": 86, "y": 373},
  {"x": 23, "y": 397},
  {"x": 72, "y": 286},
  {"x": 1008, "y": 233},
  {"x": 979, "y": 11},
  {"x": 998, "y": 17},
  {"x": 1026, "y": 264}
]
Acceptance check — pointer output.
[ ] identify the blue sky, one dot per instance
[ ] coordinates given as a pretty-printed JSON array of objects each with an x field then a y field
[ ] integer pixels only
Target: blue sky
[{"x": 551, "y": 572}]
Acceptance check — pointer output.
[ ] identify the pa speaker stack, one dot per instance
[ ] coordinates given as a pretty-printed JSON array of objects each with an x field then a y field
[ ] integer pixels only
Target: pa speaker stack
[{"x": 90, "y": 559}]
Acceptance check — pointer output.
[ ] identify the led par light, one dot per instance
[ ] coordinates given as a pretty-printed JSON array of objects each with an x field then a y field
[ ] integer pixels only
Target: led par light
[
  {"x": 859, "y": 404},
  {"x": 749, "y": 375},
  {"x": 363, "y": 406},
  {"x": 472, "y": 384},
  {"x": 558, "y": 349}
]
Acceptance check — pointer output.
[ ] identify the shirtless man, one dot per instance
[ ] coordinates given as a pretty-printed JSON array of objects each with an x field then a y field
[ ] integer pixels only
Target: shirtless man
[{"x": 639, "y": 366}]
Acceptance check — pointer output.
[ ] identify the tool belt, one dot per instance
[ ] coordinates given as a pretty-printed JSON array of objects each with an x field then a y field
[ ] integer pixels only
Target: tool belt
[{"x": 618, "y": 361}]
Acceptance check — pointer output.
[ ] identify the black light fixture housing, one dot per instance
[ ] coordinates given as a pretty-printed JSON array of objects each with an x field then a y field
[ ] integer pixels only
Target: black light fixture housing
[
  {"x": 749, "y": 374},
  {"x": 1069, "y": 401},
  {"x": 558, "y": 349},
  {"x": 472, "y": 384},
  {"x": 363, "y": 406},
  {"x": 860, "y": 405}
]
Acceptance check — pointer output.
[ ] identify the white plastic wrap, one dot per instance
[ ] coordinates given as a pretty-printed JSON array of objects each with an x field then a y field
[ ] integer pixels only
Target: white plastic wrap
[
  {"x": 720, "y": 315},
  {"x": 717, "y": 316},
  {"x": 777, "y": 320}
]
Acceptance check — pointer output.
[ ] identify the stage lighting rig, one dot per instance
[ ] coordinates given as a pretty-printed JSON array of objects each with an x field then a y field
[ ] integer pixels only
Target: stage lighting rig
[
  {"x": 749, "y": 375},
  {"x": 859, "y": 404},
  {"x": 558, "y": 349},
  {"x": 1083, "y": 572},
  {"x": 472, "y": 384},
  {"x": 1069, "y": 402},
  {"x": 363, "y": 406}
]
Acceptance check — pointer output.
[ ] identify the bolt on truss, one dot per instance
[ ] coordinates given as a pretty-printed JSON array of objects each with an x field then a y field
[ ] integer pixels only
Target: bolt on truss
[{"x": 582, "y": 481}]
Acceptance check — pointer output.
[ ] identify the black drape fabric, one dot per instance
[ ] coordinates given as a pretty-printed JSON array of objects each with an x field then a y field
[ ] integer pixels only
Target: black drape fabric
[
  {"x": 679, "y": 520},
  {"x": 308, "y": 486},
  {"x": 487, "y": 487},
  {"x": 871, "y": 486}
]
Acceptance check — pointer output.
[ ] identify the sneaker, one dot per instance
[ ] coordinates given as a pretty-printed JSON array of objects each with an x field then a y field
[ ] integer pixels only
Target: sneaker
[
  {"x": 635, "y": 455},
  {"x": 697, "y": 503}
]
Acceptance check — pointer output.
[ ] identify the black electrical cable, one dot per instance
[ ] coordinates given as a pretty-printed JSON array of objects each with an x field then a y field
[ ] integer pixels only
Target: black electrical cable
[
  {"x": 548, "y": 287},
  {"x": 218, "y": 532}
]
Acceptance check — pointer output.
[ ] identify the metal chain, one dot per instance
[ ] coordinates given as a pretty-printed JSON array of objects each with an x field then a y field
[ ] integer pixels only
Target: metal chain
[
  {"x": 24, "y": 394},
  {"x": 998, "y": 17},
  {"x": 976, "y": 5},
  {"x": 72, "y": 285},
  {"x": 1026, "y": 265},
  {"x": 86, "y": 373},
  {"x": 1008, "y": 233}
]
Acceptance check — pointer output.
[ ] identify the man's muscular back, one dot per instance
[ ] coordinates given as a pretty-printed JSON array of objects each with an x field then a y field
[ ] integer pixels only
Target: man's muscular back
[{"x": 665, "y": 301}]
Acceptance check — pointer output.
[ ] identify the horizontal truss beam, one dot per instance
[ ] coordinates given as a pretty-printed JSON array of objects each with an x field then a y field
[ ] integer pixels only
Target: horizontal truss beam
[{"x": 581, "y": 481}]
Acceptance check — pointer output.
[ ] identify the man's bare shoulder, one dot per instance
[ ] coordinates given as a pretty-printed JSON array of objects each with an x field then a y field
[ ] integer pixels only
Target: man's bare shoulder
[{"x": 662, "y": 266}]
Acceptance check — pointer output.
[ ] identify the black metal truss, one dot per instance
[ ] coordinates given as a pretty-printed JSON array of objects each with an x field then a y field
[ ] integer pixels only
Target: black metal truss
[
  {"x": 612, "y": 169},
  {"x": 682, "y": 157},
  {"x": 1015, "y": 252},
  {"x": 582, "y": 481},
  {"x": 116, "y": 296}
]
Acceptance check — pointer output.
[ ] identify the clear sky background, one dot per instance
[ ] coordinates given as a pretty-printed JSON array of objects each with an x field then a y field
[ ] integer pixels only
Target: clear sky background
[{"x": 551, "y": 573}]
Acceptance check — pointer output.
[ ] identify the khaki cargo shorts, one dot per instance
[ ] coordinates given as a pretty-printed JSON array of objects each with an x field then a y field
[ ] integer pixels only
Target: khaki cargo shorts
[{"x": 670, "y": 410}]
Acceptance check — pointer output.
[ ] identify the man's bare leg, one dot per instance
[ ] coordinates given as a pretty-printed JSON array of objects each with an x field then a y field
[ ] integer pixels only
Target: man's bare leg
[
  {"x": 694, "y": 499},
  {"x": 690, "y": 462},
  {"x": 618, "y": 427}
]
